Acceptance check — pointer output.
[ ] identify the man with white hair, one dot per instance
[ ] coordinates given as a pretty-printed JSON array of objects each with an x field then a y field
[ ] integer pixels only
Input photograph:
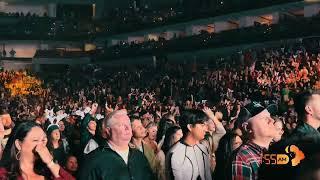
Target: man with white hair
[{"x": 116, "y": 160}]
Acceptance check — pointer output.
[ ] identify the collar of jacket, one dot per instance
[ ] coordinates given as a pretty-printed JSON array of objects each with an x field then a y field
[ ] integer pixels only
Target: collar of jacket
[
  {"x": 133, "y": 146},
  {"x": 202, "y": 148},
  {"x": 106, "y": 147},
  {"x": 306, "y": 128},
  {"x": 256, "y": 148}
]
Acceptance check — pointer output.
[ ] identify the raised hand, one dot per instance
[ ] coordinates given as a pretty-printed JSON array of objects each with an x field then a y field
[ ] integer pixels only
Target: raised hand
[
  {"x": 109, "y": 109},
  {"x": 208, "y": 112}
]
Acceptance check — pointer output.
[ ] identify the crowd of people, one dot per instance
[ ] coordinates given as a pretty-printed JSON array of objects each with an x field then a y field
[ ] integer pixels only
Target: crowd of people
[{"x": 164, "y": 121}]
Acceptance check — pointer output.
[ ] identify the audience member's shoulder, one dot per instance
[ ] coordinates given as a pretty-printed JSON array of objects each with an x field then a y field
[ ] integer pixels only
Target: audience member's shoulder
[
  {"x": 91, "y": 161},
  {"x": 244, "y": 158},
  {"x": 243, "y": 149},
  {"x": 100, "y": 154},
  {"x": 3, "y": 172},
  {"x": 241, "y": 154},
  {"x": 278, "y": 145},
  {"x": 177, "y": 148},
  {"x": 203, "y": 148},
  {"x": 177, "y": 154},
  {"x": 136, "y": 152}
]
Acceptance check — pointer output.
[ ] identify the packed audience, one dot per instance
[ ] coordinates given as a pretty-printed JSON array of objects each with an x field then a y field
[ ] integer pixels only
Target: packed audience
[{"x": 163, "y": 121}]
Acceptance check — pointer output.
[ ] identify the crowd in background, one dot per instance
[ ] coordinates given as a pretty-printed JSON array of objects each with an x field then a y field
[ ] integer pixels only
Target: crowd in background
[{"x": 72, "y": 107}]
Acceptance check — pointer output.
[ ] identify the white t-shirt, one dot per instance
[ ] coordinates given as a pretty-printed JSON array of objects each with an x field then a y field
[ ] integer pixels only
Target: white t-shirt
[{"x": 140, "y": 148}]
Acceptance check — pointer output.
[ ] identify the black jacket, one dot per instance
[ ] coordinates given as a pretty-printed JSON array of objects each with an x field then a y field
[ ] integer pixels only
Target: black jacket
[{"x": 105, "y": 164}]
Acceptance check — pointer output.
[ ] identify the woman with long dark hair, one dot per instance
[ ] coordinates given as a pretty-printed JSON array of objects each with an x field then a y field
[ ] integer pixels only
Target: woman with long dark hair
[
  {"x": 173, "y": 135},
  {"x": 227, "y": 144},
  {"x": 163, "y": 125},
  {"x": 27, "y": 156}
]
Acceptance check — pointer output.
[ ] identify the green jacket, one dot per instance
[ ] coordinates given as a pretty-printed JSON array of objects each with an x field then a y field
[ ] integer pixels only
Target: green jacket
[
  {"x": 84, "y": 133},
  {"x": 105, "y": 164}
]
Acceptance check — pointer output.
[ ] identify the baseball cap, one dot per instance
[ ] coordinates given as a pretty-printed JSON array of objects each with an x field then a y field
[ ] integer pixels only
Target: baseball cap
[{"x": 253, "y": 109}]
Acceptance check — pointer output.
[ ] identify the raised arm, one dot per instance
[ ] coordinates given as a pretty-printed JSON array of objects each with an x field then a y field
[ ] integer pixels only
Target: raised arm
[{"x": 219, "y": 127}]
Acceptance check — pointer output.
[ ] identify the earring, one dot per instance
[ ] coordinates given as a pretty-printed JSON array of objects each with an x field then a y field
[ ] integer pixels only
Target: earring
[{"x": 18, "y": 156}]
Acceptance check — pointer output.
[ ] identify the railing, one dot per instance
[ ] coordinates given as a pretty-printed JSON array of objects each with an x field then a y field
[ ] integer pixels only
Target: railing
[
  {"x": 38, "y": 28},
  {"x": 59, "y": 54},
  {"x": 130, "y": 21}
]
